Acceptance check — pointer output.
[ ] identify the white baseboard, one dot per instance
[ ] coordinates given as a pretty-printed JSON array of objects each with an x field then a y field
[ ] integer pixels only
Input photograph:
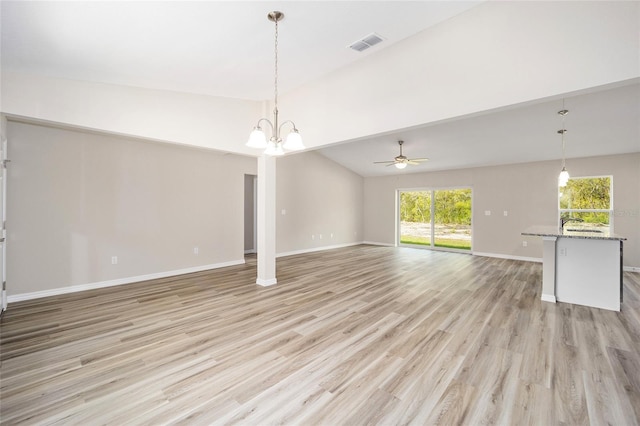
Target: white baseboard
[
  {"x": 506, "y": 256},
  {"x": 314, "y": 249},
  {"x": 119, "y": 281},
  {"x": 266, "y": 283},
  {"x": 548, "y": 298},
  {"x": 475, "y": 253},
  {"x": 631, "y": 269},
  {"x": 375, "y": 243}
]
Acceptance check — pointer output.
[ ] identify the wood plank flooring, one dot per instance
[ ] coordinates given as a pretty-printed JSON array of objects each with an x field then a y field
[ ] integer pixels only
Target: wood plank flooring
[{"x": 353, "y": 336}]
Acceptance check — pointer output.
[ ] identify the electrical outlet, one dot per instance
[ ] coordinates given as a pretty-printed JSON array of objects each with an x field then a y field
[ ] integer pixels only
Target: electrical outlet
[
  {"x": 196, "y": 250},
  {"x": 506, "y": 213},
  {"x": 332, "y": 235},
  {"x": 524, "y": 244},
  {"x": 320, "y": 236},
  {"x": 313, "y": 237},
  {"x": 114, "y": 260},
  {"x": 562, "y": 251},
  {"x": 487, "y": 212}
]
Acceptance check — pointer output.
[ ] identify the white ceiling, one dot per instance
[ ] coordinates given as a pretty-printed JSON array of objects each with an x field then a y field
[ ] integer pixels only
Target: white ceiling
[
  {"x": 602, "y": 122},
  {"x": 225, "y": 48},
  {"x": 219, "y": 48}
]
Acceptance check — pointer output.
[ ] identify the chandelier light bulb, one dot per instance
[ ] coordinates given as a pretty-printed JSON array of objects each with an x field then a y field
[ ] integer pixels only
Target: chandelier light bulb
[
  {"x": 274, "y": 149},
  {"x": 257, "y": 139},
  {"x": 293, "y": 141}
]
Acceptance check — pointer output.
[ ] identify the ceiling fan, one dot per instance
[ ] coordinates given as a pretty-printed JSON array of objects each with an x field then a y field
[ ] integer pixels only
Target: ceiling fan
[{"x": 401, "y": 161}]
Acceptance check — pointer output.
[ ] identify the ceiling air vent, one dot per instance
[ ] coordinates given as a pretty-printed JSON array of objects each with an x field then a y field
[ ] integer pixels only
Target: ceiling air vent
[{"x": 366, "y": 42}]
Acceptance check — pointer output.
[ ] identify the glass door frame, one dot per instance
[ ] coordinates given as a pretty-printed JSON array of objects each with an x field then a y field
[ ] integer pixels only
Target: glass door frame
[{"x": 432, "y": 246}]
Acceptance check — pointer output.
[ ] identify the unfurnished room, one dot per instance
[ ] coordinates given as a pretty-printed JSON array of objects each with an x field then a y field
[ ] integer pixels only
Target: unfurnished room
[{"x": 320, "y": 212}]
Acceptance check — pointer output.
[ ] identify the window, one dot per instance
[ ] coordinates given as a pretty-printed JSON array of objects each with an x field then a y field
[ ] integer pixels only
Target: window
[
  {"x": 587, "y": 203},
  {"x": 436, "y": 218}
]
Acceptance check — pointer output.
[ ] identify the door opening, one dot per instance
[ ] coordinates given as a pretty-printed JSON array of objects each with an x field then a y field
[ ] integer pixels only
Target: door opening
[
  {"x": 435, "y": 218},
  {"x": 250, "y": 213}
]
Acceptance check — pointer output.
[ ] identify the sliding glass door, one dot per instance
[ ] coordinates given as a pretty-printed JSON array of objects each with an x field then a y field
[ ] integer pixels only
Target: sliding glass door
[{"x": 439, "y": 218}]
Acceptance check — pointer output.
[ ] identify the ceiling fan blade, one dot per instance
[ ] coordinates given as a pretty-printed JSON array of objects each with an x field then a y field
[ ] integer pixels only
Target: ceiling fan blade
[
  {"x": 384, "y": 162},
  {"x": 418, "y": 159},
  {"x": 392, "y": 164}
]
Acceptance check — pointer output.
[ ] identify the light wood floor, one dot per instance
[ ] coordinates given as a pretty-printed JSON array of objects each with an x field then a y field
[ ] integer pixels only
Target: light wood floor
[{"x": 361, "y": 335}]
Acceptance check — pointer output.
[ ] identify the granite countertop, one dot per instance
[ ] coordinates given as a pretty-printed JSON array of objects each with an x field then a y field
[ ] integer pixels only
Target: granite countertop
[{"x": 554, "y": 231}]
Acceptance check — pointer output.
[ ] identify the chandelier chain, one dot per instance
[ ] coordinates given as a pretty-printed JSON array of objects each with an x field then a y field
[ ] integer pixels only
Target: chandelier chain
[
  {"x": 258, "y": 139},
  {"x": 276, "y": 67}
]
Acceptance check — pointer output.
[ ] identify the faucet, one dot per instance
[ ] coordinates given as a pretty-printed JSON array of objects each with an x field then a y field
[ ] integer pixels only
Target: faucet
[{"x": 565, "y": 219}]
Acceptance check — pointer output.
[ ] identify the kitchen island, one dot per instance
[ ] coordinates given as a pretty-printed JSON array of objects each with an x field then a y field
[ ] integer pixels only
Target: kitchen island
[{"x": 580, "y": 267}]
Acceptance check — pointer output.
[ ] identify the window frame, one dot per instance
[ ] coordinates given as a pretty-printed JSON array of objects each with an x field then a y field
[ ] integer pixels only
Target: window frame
[{"x": 561, "y": 211}]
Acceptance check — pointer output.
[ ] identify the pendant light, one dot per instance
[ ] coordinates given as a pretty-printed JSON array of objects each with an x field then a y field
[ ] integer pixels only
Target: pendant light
[
  {"x": 563, "y": 178},
  {"x": 257, "y": 138}
]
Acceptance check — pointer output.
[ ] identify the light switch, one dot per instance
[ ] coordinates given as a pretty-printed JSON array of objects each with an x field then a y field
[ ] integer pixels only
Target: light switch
[
  {"x": 487, "y": 212},
  {"x": 284, "y": 212}
]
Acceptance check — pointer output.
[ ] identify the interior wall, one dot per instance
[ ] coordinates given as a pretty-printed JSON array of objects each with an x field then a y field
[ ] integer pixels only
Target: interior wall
[
  {"x": 319, "y": 203},
  {"x": 77, "y": 199},
  {"x": 527, "y": 192}
]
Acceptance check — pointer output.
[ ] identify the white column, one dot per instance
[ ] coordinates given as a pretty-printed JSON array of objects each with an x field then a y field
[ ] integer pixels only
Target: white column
[
  {"x": 266, "y": 221},
  {"x": 549, "y": 269}
]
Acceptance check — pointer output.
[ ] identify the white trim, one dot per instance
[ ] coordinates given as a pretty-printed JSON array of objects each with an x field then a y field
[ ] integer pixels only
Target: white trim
[
  {"x": 119, "y": 281},
  {"x": 266, "y": 283},
  {"x": 311, "y": 250},
  {"x": 548, "y": 298},
  {"x": 255, "y": 214},
  {"x": 506, "y": 256},
  {"x": 631, "y": 268}
]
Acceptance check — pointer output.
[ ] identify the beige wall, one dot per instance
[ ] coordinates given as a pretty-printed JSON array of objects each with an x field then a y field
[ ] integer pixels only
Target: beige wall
[
  {"x": 76, "y": 199},
  {"x": 319, "y": 197},
  {"x": 528, "y": 192}
]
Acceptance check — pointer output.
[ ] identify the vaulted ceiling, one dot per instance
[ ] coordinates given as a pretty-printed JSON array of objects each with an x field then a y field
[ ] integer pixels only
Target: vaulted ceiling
[
  {"x": 225, "y": 49},
  {"x": 219, "y": 48}
]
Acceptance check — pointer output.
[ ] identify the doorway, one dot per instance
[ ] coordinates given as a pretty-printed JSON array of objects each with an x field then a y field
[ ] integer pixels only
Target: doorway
[
  {"x": 250, "y": 213},
  {"x": 435, "y": 218}
]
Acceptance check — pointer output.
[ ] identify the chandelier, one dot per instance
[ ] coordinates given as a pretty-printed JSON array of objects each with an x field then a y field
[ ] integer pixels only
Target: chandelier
[
  {"x": 563, "y": 178},
  {"x": 257, "y": 138}
]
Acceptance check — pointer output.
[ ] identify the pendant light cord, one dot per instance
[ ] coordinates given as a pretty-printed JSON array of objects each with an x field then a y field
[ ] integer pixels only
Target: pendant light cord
[
  {"x": 563, "y": 112},
  {"x": 563, "y": 130}
]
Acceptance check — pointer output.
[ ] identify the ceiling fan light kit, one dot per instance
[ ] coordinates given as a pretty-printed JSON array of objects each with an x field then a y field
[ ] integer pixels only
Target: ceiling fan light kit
[{"x": 402, "y": 161}]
